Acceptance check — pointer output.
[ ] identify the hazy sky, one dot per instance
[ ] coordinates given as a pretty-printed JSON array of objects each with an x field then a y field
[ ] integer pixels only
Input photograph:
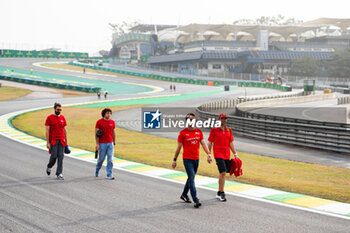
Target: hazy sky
[{"x": 83, "y": 25}]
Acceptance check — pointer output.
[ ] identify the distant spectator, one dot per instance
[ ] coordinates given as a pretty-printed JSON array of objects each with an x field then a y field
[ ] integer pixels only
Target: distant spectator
[
  {"x": 171, "y": 87},
  {"x": 31, "y": 71},
  {"x": 105, "y": 93},
  {"x": 84, "y": 70},
  {"x": 98, "y": 94},
  {"x": 174, "y": 87}
]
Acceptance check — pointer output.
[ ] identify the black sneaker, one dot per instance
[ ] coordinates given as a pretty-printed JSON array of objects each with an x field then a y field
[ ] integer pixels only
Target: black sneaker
[
  {"x": 185, "y": 198},
  {"x": 48, "y": 171},
  {"x": 197, "y": 203},
  {"x": 222, "y": 196}
]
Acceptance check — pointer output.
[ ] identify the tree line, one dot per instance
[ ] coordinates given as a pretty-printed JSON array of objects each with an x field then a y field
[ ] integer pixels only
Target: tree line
[{"x": 339, "y": 66}]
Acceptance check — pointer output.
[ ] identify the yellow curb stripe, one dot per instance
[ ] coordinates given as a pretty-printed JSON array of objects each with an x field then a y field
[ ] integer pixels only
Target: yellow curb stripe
[
  {"x": 122, "y": 161},
  {"x": 20, "y": 136},
  {"x": 180, "y": 178},
  {"x": 41, "y": 142},
  {"x": 29, "y": 139},
  {"x": 86, "y": 156},
  {"x": 75, "y": 149},
  {"x": 143, "y": 169},
  {"x": 239, "y": 187},
  {"x": 309, "y": 202}
]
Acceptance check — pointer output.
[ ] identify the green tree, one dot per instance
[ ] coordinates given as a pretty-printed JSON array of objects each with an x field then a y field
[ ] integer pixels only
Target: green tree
[
  {"x": 306, "y": 66},
  {"x": 122, "y": 28},
  {"x": 339, "y": 66},
  {"x": 269, "y": 20}
]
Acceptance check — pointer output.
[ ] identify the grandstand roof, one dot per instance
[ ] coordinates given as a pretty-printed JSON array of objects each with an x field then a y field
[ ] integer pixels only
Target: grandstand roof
[
  {"x": 225, "y": 29},
  {"x": 341, "y": 23}
]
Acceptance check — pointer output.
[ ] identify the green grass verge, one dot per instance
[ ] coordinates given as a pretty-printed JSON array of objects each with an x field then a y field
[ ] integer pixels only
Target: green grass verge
[
  {"x": 312, "y": 179},
  {"x": 9, "y": 93}
]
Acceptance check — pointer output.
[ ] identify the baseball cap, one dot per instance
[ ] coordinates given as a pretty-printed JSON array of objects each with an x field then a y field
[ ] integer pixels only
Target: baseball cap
[{"x": 222, "y": 115}]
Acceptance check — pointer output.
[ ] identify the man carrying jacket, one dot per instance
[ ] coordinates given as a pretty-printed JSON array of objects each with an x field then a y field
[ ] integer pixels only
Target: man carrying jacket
[
  {"x": 56, "y": 137},
  {"x": 222, "y": 138}
]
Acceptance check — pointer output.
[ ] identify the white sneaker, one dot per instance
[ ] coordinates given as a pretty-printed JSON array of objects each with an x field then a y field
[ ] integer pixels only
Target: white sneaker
[
  {"x": 60, "y": 177},
  {"x": 110, "y": 177}
]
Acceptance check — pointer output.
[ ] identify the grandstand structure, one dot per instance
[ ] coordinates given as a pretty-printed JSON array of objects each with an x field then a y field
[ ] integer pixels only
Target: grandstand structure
[{"x": 205, "y": 49}]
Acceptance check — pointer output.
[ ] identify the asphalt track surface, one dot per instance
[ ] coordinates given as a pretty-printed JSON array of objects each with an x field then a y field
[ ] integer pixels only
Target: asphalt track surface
[
  {"x": 326, "y": 110},
  {"x": 32, "y": 202}
]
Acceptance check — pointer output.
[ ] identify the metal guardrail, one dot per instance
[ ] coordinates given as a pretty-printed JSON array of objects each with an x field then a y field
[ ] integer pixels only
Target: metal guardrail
[
  {"x": 344, "y": 100},
  {"x": 313, "y": 134}
]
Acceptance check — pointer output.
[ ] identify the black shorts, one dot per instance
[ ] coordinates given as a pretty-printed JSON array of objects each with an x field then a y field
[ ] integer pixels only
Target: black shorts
[{"x": 223, "y": 165}]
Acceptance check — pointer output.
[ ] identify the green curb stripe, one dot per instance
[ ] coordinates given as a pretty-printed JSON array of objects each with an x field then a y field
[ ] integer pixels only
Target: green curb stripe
[
  {"x": 136, "y": 166},
  {"x": 174, "y": 175},
  {"x": 348, "y": 214},
  {"x": 285, "y": 197},
  {"x": 228, "y": 183},
  {"x": 83, "y": 154},
  {"x": 119, "y": 159}
]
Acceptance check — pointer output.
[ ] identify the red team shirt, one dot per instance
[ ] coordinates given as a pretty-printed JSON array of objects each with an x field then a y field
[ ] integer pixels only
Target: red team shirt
[
  {"x": 107, "y": 128},
  {"x": 221, "y": 140},
  {"x": 57, "y": 124},
  {"x": 190, "y": 140}
]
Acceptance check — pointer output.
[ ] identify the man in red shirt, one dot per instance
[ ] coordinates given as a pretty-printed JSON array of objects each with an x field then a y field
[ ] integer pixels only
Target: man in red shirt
[
  {"x": 56, "y": 137},
  {"x": 222, "y": 138},
  {"x": 105, "y": 143},
  {"x": 189, "y": 139}
]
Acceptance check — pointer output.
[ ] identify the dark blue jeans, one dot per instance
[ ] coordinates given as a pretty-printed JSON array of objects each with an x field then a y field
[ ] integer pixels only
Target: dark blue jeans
[{"x": 191, "y": 167}]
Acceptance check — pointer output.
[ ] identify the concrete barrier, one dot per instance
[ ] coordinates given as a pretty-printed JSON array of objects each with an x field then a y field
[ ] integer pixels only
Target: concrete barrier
[{"x": 266, "y": 103}]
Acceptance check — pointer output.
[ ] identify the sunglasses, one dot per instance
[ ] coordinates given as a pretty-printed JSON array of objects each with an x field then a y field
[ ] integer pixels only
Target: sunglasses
[{"x": 223, "y": 118}]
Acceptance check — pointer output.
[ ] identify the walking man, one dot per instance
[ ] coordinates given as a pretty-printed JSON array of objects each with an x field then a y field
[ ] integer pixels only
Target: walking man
[
  {"x": 105, "y": 93},
  {"x": 56, "y": 137},
  {"x": 222, "y": 138},
  {"x": 105, "y": 143},
  {"x": 189, "y": 139}
]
